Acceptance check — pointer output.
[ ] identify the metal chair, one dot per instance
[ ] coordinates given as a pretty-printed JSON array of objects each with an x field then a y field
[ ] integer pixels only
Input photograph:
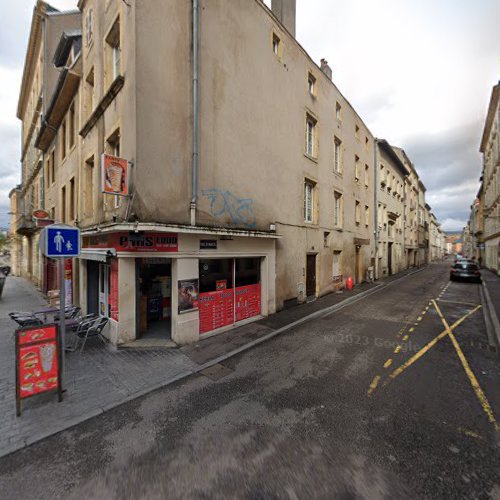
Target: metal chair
[
  {"x": 26, "y": 319},
  {"x": 90, "y": 328}
]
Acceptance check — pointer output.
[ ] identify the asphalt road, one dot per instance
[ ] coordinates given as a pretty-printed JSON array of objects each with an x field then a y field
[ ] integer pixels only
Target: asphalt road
[{"x": 323, "y": 411}]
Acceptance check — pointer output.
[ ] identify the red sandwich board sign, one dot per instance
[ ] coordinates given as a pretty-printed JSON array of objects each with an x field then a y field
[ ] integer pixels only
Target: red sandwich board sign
[{"x": 38, "y": 367}]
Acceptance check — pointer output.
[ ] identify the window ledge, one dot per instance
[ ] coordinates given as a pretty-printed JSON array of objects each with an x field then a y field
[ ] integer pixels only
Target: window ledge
[
  {"x": 312, "y": 158},
  {"x": 104, "y": 103}
]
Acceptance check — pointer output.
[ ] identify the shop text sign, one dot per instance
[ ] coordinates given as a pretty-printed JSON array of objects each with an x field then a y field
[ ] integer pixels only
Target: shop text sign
[
  {"x": 37, "y": 362},
  {"x": 134, "y": 242}
]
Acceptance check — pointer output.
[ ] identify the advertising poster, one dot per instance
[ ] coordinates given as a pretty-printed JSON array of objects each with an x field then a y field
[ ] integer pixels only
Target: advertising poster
[
  {"x": 188, "y": 295},
  {"x": 37, "y": 362},
  {"x": 115, "y": 175}
]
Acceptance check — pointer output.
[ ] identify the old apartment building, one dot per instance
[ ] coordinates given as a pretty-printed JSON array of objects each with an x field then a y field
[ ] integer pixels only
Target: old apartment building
[
  {"x": 245, "y": 180},
  {"x": 490, "y": 188},
  {"x": 390, "y": 210}
]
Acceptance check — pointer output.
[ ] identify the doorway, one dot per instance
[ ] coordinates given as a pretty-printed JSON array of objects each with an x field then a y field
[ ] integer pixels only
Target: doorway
[
  {"x": 92, "y": 287},
  {"x": 154, "y": 297},
  {"x": 311, "y": 276},
  {"x": 103, "y": 289},
  {"x": 358, "y": 273},
  {"x": 389, "y": 258}
]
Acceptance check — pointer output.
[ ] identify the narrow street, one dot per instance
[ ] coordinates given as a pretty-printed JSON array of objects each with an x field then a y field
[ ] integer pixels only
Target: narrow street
[{"x": 319, "y": 412}]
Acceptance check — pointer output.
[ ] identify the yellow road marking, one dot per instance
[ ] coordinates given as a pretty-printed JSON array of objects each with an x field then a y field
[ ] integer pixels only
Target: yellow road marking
[
  {"x": 419, "y": 318},
  {"x": 398, "y": 348},
  {"x": 374, "y": 384},
  {"x": 424, "y": 349},
  {"x": 411, "y": 329},
  {"x": 388, "y": 363},
  {"x": 406, "y": 337},
  {"x": 458, "y": 302},
  {"x": 472, "y": 378},
  {"x": 470, "y": 433}
]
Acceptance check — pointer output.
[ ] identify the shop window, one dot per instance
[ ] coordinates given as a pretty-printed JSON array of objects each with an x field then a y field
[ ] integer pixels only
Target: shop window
[
  {"x": 247, "y": 271},
  {"x": 215, "y": 274}
]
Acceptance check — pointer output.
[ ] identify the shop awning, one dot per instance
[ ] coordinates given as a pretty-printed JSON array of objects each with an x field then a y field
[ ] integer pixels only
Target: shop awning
[{"x": 98, "y": 254}]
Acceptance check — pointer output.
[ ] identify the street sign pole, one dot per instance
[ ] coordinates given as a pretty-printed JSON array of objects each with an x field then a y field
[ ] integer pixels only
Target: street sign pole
[{"x": 62, "y": 317}]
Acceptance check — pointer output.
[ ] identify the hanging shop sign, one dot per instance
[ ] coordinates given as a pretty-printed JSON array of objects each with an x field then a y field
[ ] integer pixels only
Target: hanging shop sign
[
  {"x": 208, "y": 244},
  {"x": 134, "y": 242},
  {"x": 115, "y": 175},
  {"x": 40, "y": 214},
  {"x": 188, "y": 295},
  {"x": 37, "y": 363}
]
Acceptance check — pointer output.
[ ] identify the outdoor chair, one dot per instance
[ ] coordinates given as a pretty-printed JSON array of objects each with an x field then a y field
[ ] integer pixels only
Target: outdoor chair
[
  {"x": 92, "y": 327},
  {"x": 70, "y": 313}
]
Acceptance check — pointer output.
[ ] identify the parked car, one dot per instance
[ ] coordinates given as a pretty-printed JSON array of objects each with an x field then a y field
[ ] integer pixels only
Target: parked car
[{"x": 465, "y": 270}]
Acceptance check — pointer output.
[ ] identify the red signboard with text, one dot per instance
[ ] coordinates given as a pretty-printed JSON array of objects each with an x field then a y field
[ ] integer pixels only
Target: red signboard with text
[
  {"x": 132, "y": 242},
  {"x": 216, "y": 310},
  {"x": 247, "y": 302},
  {"x": 37, "y": 362}
]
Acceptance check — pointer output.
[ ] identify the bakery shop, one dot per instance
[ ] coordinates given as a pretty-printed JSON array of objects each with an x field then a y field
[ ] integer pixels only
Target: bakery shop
[{"x": 176, "y": 284}]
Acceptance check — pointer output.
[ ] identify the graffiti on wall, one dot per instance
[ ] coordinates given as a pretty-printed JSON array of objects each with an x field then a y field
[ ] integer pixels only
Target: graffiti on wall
[{"x": 225, "y": 205}]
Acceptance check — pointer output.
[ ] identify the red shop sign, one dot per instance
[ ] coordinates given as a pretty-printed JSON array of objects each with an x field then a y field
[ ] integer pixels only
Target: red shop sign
[
  {"x": 134, "y": 242},
  {"x": 37, "y": 362}
]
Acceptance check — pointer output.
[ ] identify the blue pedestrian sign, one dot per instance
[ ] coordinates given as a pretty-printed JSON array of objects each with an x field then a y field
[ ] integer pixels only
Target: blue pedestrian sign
[{"x": 61, "y": 241}]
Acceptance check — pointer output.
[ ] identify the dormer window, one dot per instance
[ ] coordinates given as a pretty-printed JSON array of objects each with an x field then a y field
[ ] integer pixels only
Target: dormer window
[{"x": 276, "y": 44}]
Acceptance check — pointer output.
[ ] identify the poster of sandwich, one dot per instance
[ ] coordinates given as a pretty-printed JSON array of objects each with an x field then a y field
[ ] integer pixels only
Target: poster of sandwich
[
  {"x": 37, "y": 363},
  {"x": 115, "y": 175}
]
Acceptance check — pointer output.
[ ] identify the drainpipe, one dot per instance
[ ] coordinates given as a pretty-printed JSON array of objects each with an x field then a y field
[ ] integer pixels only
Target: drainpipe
[
  {"x": 44, "y": 41},
  {"x": 375, "y": 208},
  {"x": 194, "y": 194}
]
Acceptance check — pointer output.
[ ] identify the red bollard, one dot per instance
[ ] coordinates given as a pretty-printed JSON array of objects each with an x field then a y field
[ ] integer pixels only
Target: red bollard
[{"x": 349, "y": 284}]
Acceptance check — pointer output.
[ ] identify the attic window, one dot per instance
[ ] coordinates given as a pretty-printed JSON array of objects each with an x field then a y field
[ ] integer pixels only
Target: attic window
[{"x": 311, "y": 84}]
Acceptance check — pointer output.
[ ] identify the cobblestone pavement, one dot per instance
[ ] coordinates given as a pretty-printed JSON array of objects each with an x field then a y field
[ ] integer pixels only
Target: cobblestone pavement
[
  {"x": 96, "y": 380},
  {"x": 338, "y": 407},
  {"x": 101, "y": 378}
]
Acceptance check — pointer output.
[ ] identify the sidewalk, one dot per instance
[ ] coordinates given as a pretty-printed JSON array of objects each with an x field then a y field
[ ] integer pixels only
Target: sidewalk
[
  {"x": 491, "y": 287},
  {"x": 102, "y": 379}
]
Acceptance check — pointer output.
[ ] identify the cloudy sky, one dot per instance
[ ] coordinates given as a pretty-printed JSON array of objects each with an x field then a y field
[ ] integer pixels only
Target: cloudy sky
[{"x": 419, "y": 73}]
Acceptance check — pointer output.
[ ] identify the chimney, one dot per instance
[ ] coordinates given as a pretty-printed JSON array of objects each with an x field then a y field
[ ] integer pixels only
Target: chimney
[
  {"x": 285, "y": 11},
  {"x": 326, "y": 69}
]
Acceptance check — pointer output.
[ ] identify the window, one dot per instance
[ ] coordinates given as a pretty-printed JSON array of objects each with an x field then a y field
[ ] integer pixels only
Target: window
[
  {"x": 113, "y": 55},
  {"x": 357, "y": 169},
  {"x": 326, "y": 234},
  {"x": 89, "y": 28},
  {"x": 356, "y": 131},
  {"x": 72, "y": 125},
  {"x": 337, "y": 163},
  {"x": 72, "y": 199},
  {"x": 276, "y": 44},
  {"x": 382, "y": 175},
  {"x": 308, "y": 202},
  {"x": 47, "y": 171},
  {"x": 52, "y": 167},
  {"x": 88, "y": 189},
  {"x": 338, "y": 111},
  {"x": 89, "y": 93},
  {"x": 63, "y": 204},
  {"x": 63, "y": 140},
  {"x": 357, "y": 213},
  {"x": 367, "y": 215},
  {"x": 337, "y": 209},
  {"x": 367, "y": 176},
  {"x": 366, "y": 142},
  {"x": 311, "y": 136},
  {"x": 311, "y": 84}
]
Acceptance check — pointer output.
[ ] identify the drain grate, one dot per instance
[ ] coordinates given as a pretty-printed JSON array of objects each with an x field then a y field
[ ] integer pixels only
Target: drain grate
[{"x": 216, "y": 372}]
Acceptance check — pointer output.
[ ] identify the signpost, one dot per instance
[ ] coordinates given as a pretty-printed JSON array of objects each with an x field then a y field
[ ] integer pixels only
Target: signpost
[{"x": 60, "y": 241}]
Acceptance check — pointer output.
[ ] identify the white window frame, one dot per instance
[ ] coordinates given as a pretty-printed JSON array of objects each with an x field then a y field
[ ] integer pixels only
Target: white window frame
[
  {"x": 310, "y": 136},
  {"x": 308, "y": 202},
  {"x": 337, "y": 209},
  {"x": 337, "y": 155}
]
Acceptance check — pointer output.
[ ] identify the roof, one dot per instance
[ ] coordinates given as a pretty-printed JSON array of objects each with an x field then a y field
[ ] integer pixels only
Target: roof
[
  {"x": 389, "y": 150},
  {"x": 64, "y": 46},
  {"x": 492, "y": 109},
  {"x": 39, "y": 11}
]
